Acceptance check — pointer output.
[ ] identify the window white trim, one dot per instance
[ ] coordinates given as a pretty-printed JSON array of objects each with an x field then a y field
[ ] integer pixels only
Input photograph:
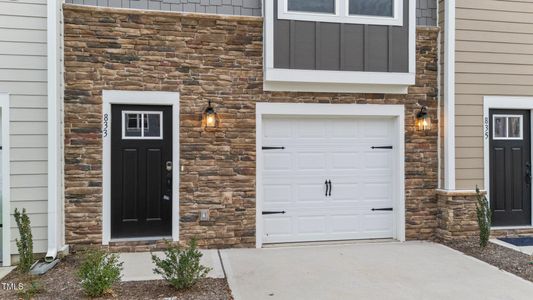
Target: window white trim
[
  {"x": 138, "y": 98},
  {"x": 342, "y": 15},
  {"x": 500, "y": 102},
  {"x": 328, "y": 81},
  {"x": 395, "y": 111},
  {"x": 494, "y": 137},
  {"x": 6, "y": 179},
  {"x": 142, "y": 113}
]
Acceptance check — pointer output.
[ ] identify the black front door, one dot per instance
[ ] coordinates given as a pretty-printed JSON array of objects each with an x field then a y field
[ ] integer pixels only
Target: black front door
[
  {"x": 510, "y": 167},
  {"x": 141, "y": 171}
]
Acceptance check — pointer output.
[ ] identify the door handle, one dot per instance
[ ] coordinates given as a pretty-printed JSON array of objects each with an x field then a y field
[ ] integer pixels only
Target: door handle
[
  {"x": 326, "y": 183},
  {"x": 528, "y": 173},
  {"x": 330, "y": 188}
]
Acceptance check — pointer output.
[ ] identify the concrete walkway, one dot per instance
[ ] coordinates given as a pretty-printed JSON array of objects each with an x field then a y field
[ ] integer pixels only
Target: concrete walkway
[
  {"x": 4, "y": 271},
  {"x": 524, "y": 249},
  {"x": 412, "y": 270},
  {"x": 138, "y": 266}
]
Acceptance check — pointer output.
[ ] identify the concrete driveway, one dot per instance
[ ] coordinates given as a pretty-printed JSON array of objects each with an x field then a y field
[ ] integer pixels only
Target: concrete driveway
[{"x": 388, "y": 270}]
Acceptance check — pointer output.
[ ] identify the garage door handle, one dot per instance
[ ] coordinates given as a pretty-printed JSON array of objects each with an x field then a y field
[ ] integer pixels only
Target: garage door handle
[
  {"x": 274, "y": 212},
  {"x": 382, "y": 209},
  {"x": 326, "y": 183},
  {"x": 381, "y": 147},
  {"x": 330, "y": 188}
]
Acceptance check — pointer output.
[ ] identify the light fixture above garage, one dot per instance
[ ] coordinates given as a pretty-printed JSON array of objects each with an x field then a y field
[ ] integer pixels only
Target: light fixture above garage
[
  {"x": 423, "y": 121},
  {"x": 210, "y": 117}
]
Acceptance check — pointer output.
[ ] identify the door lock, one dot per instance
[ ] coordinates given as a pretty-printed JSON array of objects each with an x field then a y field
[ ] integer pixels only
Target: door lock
[{"x": 169, "y": 166}]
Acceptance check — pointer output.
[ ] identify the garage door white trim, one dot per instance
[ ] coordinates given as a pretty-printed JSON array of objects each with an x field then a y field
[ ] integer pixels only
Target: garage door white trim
[{"x": 300, "y": 109}]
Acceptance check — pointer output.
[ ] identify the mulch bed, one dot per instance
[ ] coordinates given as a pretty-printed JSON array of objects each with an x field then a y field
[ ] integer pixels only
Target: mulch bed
[
  {"x": 504, "y": 258},
  {"x": 61, "y": 283}
]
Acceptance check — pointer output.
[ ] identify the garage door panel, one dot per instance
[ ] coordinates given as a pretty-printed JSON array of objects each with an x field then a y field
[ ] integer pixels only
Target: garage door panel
[
  {"x": 346, "y": 161},
  {"x": 311, "y": 161},
  {"x": 377, "y": 191},
  {"x": 278, "y": 129},
  {"x": 306, "y": 129},
  {"x": 378, "y": 222},
  {"x": 346, "y": 223},
  {"x": 310, "y": 193},
  {"x": 277, "y": 226},
  {"x": 376, "y": 128},
  {"x": 277, "y": 193},
  {"x": 320, "y": 149},
  {"x": 378, "y": 160},
  {"x": 345, "y": 129},
  {"x": 276, "y": 161},
  {"x": 311, "y": 225},
  {"x": 345, "y": 192}
]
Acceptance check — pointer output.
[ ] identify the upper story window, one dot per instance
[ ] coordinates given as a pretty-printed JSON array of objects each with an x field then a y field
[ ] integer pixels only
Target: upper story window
[{"x": 373, "y": 12}]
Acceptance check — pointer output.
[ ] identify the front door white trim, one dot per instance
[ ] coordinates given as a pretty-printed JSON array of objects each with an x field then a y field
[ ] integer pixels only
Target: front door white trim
[
  {"x": 501, "y": 102},
  {"x": 138, "y": 98},
  {"x": 6, "y": 186},
  {"x": 301, "y": 109}
]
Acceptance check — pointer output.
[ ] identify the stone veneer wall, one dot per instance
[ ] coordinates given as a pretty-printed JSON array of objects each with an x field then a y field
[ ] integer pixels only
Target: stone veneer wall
[
  {"x": 218, "y": 58},
  {"x": 456, "y": 217}
]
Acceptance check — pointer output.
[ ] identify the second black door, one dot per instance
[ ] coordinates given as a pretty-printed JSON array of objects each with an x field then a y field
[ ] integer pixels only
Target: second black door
[
  {"x": 510, "y": 167},
  {"x": 141, "y": 171}
]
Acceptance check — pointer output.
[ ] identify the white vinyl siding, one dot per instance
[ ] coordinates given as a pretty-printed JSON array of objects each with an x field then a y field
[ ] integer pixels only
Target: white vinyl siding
[{"x": 23, "y": 76}]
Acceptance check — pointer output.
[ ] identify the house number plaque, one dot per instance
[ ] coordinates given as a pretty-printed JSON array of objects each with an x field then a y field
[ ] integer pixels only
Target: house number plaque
[
  {"x": 105, "y": 125},
  {"x": 486, "y": 125}
]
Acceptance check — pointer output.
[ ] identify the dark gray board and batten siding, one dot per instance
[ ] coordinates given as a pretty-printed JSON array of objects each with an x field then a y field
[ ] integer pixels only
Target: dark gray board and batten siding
[{"x": 305, "y": 45}]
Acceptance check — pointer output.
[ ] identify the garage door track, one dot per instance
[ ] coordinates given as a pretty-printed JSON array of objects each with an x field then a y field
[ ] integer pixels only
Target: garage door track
[{"x": 390, "y": 270}]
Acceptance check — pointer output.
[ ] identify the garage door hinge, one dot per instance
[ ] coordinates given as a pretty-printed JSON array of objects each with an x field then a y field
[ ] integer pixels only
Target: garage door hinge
[
  {"x": 273, "y": 148},
  {"x": 382, "y": 147},
  {"x": 273, "y": 212}
]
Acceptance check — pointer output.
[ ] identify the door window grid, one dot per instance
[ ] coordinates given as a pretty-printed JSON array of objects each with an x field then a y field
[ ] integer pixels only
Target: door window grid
[
  {"x": 139, "y": 125},
  {"x": 374, "y": 12},
  {"x": 507, "y": 127}
]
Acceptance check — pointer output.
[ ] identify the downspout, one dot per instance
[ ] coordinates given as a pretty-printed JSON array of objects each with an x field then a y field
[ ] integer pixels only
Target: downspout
[
  {"x": 449, "y": 95},
  {"x": 439, "y": 98},
  {"x": 53, "y": 59}
]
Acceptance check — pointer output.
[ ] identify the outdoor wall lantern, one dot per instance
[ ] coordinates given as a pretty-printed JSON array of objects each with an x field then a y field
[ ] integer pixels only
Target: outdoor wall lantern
[
  {"x": 423, "y": 121},
  {"x": 210, "y": 118}
]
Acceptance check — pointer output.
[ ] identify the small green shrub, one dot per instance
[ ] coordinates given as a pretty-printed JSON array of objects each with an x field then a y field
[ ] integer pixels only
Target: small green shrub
[
  {"x": 181, "y": 267},
  {"x": 98, "y": 272},
  {"x": 25, "y": 244},
  {"x": 483, "y": 218},
  {"x": 30, "y": 289}
]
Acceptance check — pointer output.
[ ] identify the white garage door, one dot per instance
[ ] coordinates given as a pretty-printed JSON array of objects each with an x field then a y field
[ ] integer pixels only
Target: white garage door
[{"x": 327, "y": 183}]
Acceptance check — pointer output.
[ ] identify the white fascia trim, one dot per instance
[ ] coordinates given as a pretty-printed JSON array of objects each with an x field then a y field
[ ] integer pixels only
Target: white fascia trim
[
  {"x": 339, "y": 77},
  {"x": 336, "y": 77},
  {"x": 6, "y": 186},
  {"x": 449, "y": 95},
  {"x": 54, "y": 127},
  {"x": 138, "y": 98},
  {"x": 334, "y": 87},
  {"x": 342, "y": 15},
  {"x": 500, "y": 102},
  {"x": 304, "y": 109}
]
